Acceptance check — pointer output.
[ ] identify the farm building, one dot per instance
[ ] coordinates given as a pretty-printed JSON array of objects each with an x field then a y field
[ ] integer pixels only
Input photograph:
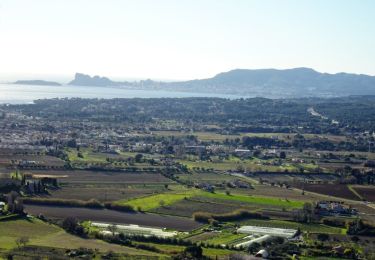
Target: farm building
[{"x": 276, "y": 232}]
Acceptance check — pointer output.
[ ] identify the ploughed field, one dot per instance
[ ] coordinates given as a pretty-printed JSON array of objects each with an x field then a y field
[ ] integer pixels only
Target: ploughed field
[
  {"x": 103, "y": 177},
  {"x": 41, "y": 160},
  {"x": 366, "y": 192},
  {"x": 336, "y": 190},
  {"x": 104, "y": 192},
  {"x": 187, "y": 207},
  {"x": 104, "y": 186},
  {"x": 112, "y": 216}
]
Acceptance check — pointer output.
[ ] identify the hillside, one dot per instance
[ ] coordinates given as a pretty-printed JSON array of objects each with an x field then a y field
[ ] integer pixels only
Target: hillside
[
  {"x": 299, "y": 82},
  {"x": 273, "y": 83}
]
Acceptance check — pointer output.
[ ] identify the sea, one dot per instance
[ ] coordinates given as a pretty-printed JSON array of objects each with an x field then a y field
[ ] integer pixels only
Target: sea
[{"x": 23, "y": 94}]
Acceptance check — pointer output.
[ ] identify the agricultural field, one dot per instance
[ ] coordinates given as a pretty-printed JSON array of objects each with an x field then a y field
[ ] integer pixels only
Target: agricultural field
[
  {"x": 335, "y": 190},
  {"x": 293, "y": 177},
  {"x": 33, "y": 160},
  {"x": 280, "y": 192},
  {"x": 105, "y": 192},
  {"x": 148, "y": 203},
  {"x": 47, "y": 235},
  {"x": 104, "y": 186},
  {"x": 205, "y": 177},
  {"x": 248, "y": 165},
  {"x": 365, "y": 192},
  {"x": 252, "y": 200},
  {"x": 224, "y": 238},
  {"x": 112, "y": 216},
  {"x": 88, "y": 155},
  {"x": 187, "y": 207},
  {"x": 105, "y": 177}
]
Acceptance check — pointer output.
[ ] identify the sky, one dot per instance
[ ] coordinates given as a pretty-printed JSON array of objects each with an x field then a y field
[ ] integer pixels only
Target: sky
[{"x": 183, "y": 39}]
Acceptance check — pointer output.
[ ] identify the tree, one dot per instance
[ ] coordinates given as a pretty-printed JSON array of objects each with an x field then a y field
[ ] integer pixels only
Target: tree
[
  {"x": 323, "y": 237},
  {"x": 194, "y": 251},
  {"x": 162, "y": 203},
  {"x": 308, "y": 212},
  {"x": 22, "y": 241},
  {"x": 138, "y": 157},
  {"x": 113, "y": 229},
  {"x": 70, "y": 224},
  {"x": 15, "y": 205}
]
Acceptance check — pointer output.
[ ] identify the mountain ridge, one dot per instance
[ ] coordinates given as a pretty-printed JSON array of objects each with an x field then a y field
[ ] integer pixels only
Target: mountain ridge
[{"x": 294, "y": 82}]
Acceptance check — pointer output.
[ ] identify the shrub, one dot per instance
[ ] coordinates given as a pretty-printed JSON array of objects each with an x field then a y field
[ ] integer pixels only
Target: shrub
[
  {"x": 118, "y": 207},
  {"x": 63, "y": 202},
  {"x": 204, "y": 217}
]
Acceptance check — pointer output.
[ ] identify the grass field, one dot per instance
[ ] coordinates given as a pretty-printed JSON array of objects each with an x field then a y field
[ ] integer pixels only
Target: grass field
[
  {"x": 88, "y": 155},
  {"x": 165, "y": 199},
  {"x": 225, "y": 238},
  {"x": 154, "y": 201},
  {"x": 174, "y": 249},
  {"x": 43, "y": 234},
  {"x": 265, "y": 201}
]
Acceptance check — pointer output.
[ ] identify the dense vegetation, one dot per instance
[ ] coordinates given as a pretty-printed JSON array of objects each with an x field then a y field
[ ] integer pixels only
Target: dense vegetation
[{"x": 263, "y": 115}]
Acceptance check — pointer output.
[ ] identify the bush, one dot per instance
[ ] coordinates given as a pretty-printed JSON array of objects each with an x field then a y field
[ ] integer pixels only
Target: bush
[
  {"x": 334, "y": 222},
  {"x": 124, "y": 208},
  {"x": 323, "y": 237},
  {"x": 204, "y": 217},
  {"x": 63, "y": 202}
]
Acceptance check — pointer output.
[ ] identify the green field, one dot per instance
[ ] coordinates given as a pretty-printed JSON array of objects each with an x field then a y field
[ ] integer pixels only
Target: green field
[
  {"x": 88, "y": 156},
  {"x": 155, "y": 201},
  {"x": 174, "y": 249},
  {"x": 164, "y": 199},
  {"x": 265, "y": 201},
  {"x": 225, "y": 238}
]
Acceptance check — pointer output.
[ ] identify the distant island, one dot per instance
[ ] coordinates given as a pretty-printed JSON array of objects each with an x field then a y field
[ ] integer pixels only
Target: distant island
[{"x": 37, "y": 82}]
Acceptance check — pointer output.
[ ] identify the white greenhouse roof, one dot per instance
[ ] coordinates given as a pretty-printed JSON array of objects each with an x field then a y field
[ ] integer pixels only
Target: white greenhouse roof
[{"x": 280, "y": 232}]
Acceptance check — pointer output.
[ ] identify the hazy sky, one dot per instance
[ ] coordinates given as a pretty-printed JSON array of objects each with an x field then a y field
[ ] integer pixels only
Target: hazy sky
[{"x": 183, "y": 39}]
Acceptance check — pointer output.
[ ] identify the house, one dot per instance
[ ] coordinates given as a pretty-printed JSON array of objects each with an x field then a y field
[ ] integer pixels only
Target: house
[
  {"x": 333, "y": 208},
  {"x": 195, "y": 149},
  {"x": 242, "y": 152},
  {"x": 2, "y": 207},
  {"x": 205, "y": 186},
  {"x": 262, "y": 253}
]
